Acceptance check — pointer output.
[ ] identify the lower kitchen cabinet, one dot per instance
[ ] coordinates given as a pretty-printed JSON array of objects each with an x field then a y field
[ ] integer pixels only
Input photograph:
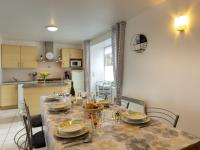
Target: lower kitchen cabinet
[
  {"x": 32, "y": 95},
  {"x": 8, "y": 96}
]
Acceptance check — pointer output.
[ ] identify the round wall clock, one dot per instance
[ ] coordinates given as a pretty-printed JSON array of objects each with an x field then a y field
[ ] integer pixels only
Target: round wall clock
[
  {"x": 139, "y": 43},
  {"x": 49, "y": 55}
]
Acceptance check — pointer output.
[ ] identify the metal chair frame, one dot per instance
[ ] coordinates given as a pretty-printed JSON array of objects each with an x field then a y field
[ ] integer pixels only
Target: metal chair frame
[
  {"x": 22, "y": 145},
  {"x": 164, "y": 114},
  {"x": 104, "y": 89},
  {"x": 28, "y": 132}
]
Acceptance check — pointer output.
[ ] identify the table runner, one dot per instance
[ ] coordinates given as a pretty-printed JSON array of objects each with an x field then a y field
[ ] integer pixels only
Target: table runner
[{"x": 118, "y": 137}]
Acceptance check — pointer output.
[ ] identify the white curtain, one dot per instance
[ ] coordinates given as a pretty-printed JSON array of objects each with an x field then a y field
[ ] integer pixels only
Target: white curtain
[
  {"x": 86, "y": 61},
  {"x": 118, "y": 44}
]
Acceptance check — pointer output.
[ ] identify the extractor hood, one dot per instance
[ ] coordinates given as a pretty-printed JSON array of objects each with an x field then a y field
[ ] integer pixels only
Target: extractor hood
[{"x": 49, "y": 55}]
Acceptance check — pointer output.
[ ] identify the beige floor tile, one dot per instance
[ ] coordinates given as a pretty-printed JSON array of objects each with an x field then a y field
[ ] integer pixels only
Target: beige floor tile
[
  {"x": 1, "y": 143},
  {"x": 15, "y": 128},
  {"x": 9, "y": 145},
  {"x": 4, "y": 130},
  {"x": 2, "y": 137},
  {"x": 5, "y": 126}
]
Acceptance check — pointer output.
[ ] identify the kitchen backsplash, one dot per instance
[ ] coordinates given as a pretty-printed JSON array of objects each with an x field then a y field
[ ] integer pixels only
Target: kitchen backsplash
[
  {"x": 24, "y": 74},
  {"x": 53, "y": 68}
]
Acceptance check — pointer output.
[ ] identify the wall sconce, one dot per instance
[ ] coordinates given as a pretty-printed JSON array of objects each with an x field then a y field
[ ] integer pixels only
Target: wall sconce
[{"x": 181, "y": 23}]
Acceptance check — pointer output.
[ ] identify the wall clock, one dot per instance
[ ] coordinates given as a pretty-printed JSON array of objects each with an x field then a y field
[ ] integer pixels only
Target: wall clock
[{"x": 139, "y": 43}]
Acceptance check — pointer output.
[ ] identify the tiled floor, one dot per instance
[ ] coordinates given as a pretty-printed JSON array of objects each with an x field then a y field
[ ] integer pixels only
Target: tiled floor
[{"x": 10, "y": 123}]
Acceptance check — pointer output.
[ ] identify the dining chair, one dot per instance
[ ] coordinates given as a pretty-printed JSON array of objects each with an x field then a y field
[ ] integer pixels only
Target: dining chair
[
  {"x": 20, "y": 139},
  {"x": 163, "y": 114},
  {"x": 124, "y": 102},
  {"x": 135, "y": 105},
  {"x": 36, "y": 120},
  {"x": 36, "y": 140}
]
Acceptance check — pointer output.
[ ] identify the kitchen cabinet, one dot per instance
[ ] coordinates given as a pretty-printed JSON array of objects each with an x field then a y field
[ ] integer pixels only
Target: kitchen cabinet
[
  {"x": 32, "y": 95},
  {"x": 14, "y": 56},
  {"x": 10, "y": 56},
  {"x": 76, "y": 53},
  {"x": 29, "y": 56},
  {"x": 8, "y": 96},
  {"x": 69, "y": 53},
  {"x": 65, "y": 54}
]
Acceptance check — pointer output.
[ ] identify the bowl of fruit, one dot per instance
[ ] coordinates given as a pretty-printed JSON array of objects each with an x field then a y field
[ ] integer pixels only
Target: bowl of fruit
[{"x": 92, "y": 108}]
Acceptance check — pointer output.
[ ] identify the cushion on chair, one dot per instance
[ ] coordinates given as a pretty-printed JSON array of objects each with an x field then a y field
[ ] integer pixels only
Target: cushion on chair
[
  {"x": 36, "y": 121},
  {"x": 38, "y": 140}
]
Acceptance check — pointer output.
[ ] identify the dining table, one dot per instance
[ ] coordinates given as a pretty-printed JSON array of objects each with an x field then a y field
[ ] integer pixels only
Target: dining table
[{"x": 114, "y": 135}]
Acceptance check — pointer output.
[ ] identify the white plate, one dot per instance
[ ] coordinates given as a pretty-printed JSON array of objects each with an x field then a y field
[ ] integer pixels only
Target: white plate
[
  {"x": 134, "y": 116},
  {"x": 53, "y": 97},
  {"x": 136, "y": 122},
  {"x": 58, "y": 106},
  {"x": 82, "y": 132},
  {"x": 67, "y": 128},
  {"x": 105, "y": 102}
]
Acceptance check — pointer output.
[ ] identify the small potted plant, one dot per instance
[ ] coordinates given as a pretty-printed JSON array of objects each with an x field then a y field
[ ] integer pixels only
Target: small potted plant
[{"x": 44, "y": 75}]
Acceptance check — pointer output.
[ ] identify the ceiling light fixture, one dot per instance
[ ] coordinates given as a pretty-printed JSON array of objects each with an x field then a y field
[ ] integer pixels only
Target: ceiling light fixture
[{"x": 52, "y": 28}]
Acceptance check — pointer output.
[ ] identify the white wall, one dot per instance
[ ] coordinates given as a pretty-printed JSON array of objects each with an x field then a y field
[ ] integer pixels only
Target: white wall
[
  {"x": 167, "y": 74},
  {"x": 53, "y": 68}
]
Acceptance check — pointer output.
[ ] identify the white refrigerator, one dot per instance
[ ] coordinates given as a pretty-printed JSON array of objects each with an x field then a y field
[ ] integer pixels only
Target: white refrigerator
[{"x": 78, "y": 79}]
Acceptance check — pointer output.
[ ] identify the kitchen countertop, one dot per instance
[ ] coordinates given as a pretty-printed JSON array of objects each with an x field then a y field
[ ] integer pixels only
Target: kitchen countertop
[
  {"x": 15, "y": 83},
  {"x": 57, "y": 83},
  {"x": 27, "y": 84}
]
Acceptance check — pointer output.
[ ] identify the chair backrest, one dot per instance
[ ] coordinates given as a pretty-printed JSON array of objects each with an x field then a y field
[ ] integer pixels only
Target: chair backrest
[
  {"x": 163, "y": 114},
  {"x": 28, "y": 132},
  {"x": 124, "y": 104},
  {"x": 134, "y": 104},
  {"x": 28, "y": 116}
]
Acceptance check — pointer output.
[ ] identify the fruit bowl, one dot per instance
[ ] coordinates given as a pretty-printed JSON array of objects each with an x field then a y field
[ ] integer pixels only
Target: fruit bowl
[{"x": 92, "y": 108}]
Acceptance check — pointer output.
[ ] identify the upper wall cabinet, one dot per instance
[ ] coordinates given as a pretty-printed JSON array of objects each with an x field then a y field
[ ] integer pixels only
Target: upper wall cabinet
[
  {"x": 76, "y": 54},
  {"x": 65, "y": 53},
  {"x": 14, "y": 56},
  {"x": 29, "y": 55},
  {"x": 68, "y": 53},
  {"x": 10, "y": 56}
]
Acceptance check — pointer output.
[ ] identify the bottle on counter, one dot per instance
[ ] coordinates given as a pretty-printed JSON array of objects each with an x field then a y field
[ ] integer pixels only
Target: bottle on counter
[{"x": 72, "y": 91}]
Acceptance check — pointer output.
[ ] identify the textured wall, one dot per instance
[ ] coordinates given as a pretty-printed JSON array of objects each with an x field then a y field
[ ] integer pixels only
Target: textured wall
[{"x": 167, "y": 74}]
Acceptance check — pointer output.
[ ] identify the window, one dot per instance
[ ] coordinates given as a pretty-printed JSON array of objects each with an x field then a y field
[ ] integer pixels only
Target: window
[{"x": 108, "y": 72}]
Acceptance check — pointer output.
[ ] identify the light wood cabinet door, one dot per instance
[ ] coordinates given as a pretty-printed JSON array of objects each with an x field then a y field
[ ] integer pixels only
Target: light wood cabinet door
[
  {"x": 76, "y": 53},
  {"x": 9, "y": 95},
  {"x": 29, "y": 56},
  {"x": 65, "y": 53},
  {"x": 10, "y": 56},
  {"x": 32, "y": 96}
]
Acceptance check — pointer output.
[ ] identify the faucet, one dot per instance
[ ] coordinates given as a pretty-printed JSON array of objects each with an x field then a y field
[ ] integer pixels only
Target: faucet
[{"x": 15, "y": 79}]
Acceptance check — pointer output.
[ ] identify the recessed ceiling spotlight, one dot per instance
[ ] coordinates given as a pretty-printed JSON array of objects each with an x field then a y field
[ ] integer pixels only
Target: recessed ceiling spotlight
[{"x": 51, "y": 28}]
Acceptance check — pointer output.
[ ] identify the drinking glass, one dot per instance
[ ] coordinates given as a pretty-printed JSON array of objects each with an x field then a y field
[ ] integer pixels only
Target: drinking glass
[
  {"x": 116, "y": 114},
  {"x": 96, "y": 120}
]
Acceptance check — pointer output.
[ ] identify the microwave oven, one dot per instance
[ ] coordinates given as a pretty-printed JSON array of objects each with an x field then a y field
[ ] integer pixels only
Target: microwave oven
[{"x": 76, "y": 63}]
